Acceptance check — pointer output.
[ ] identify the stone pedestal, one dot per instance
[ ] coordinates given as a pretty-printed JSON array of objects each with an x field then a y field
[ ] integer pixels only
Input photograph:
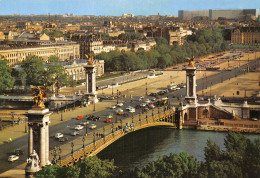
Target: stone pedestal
[
  {"x": 38, "y": 123},
  {"x": 91, "y": 92},
  {"x": 191, "y": 96}
]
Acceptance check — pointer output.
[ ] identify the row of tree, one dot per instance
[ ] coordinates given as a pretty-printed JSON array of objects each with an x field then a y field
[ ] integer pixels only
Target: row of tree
[
  {"x": 241, "y": 158},
  {"x": 32, "y": 72},
  {"x": 201, "y": 43}
]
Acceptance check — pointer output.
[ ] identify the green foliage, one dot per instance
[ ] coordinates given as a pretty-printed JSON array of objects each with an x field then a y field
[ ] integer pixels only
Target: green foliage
[
  {"x": 203, "y": 42},
  {"x": 174, "y": 165},
  {"x": 90, "y": 167},
  {"x": 53, "y": 34},
  {"x": 34, "y": 68},
  {"x": 6, "y": 79},
  {"x": 105, "y": 36},
  {"x": 240, "y": 159},
  {"x": 53, "y": 59},
  {"x": 130, "y": 36}
]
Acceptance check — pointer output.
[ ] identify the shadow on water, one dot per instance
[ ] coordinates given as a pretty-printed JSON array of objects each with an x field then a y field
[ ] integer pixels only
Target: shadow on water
[{"x": 130, "y": 149}]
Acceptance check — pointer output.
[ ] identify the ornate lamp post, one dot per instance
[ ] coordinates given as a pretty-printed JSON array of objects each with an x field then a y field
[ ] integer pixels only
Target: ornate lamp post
[
  {"x": 112, "y": 127},
  {"x": 25, "y": 126},
  {"x": 83, "y": 140},
  {"x": 61, "y": 116},
  {"x": 86, "y": 131},
  {"x": 72, "y": 145},
  {"x": 146, "y": 114},
  {"x": 152, "y": 111},
  {"x": 104, "y": 133},
  {"x": 94, "y": 139},
  {"x": 132, "y": 117},
  {"x": 139, "y": 116},
  {"x": 59, "y": 150},
  {"x": 116, "y": 96},
  {"x": 146, "y": 89},
  {"x": 121, "y": 123}
]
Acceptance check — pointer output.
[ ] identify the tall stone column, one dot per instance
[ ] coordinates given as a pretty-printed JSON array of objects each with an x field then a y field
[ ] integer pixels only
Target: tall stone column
[
  {"x": 91, "y": 83},
  {"x": 30, "y": 140}
]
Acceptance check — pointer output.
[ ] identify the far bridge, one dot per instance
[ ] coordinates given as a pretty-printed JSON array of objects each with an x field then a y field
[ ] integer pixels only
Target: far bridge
[{"x": 166, "y": 118}]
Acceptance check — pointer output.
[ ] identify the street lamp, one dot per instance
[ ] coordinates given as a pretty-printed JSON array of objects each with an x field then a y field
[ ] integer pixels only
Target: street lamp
[
  {"x": 86, "y": 131},
  {"x": 25, "y": 126},
  {"x": 72, "y": 145},
  {"x": 146, "y": 88},
  {"x": 139, "y": 116},
  {"x": 94, "y": 108},
  {"x": 83, "y": 140},
  {"x": 117, "y": 96},
  {"x": 132, "y": 117},
  {"x": 61, "y": 116}
]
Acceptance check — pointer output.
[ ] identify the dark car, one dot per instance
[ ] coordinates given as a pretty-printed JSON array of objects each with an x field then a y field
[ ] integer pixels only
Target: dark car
[
  {"x": 19, "y": 152},
  {"x": 63, "y": 139}
]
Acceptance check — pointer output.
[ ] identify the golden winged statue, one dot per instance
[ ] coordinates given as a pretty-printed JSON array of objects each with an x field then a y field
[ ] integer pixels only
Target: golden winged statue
[
  {"x": 90, "y": 59},
  {"x": 39, "y": 94},
  {"x": 191, "y": 64}
]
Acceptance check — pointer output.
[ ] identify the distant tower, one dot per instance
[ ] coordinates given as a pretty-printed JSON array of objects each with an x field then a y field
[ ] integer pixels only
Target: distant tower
[{"x": 191, "y": 97}]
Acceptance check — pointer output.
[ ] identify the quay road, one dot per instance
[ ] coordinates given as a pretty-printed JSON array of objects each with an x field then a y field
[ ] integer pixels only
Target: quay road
[{"x": 67, "y": 126}]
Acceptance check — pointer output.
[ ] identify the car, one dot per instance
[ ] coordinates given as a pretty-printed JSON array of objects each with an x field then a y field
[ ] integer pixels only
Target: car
[
  {"x": 254, "y": 119},
  {"x": 74, "y": 133},
  {"x": 147, "y": 101},
  {"x": 13, "y": 158},
  {"x": 137, "y": 106},
  {"x": 58, "y": 135},
  {"x": 113, "y": 107},
  {"x": 138, "y": 99},
  {"x": 143, "y": 104},
  {"x": 132, "y": 110},
  {"x": 128, "y": 108},
  {"x": 153, "y": 99},
  {"x": 84, "y": 123},
  {"x": 107, "y": 120},
  {"x": 119, "y": 111},
  {"x": 92, "y": 126},
  {"x": 18, "y": 152},
  {"x": 96, "y": 118},
  {"x": 78, "y": 127},
  {"x": 119, "y": 104},
  {"x": 63, "y": 139},
  {"x": 79, "y": 117},
  {"x": 151, "y": 106}
]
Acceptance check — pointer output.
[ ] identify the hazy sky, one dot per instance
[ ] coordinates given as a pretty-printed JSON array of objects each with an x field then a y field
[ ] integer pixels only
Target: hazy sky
[{"x": 118, "y": 7}]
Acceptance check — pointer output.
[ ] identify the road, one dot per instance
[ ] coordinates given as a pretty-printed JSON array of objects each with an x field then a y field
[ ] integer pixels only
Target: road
[{"x": 67, "y": 127}]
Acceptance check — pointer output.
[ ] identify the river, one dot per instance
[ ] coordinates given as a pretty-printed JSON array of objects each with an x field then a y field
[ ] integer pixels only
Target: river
[{"x": 141, "y": 147}]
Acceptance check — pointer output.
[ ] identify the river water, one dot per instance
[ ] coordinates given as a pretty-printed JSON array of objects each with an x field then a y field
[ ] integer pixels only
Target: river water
[{"x": 141, "y": 147}]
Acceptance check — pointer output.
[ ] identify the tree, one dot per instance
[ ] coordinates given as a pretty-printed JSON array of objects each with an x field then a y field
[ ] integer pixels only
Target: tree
[
  {"x": 34, "y": 68},
  {"x": 48, "y": 171},
  {"x": 53, "y": 59},
  {"x": 71, "y": 82},
  {"x": 57, "y": 76},
  {"x": 6, "y": 79}
]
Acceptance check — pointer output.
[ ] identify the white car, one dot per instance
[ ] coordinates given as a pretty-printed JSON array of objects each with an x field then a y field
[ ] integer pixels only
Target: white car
[
  {"x": 78, "y": 127},
  {"x": 113, "y": 107},
  {"x": 153, "y": 98},
  {"x": 13, "y": 158},
  {"x": 132, "y": 110},
  {"x": 128, "y": 108},
  {"x": 147, "y": 101},
  {"x": 58, "y": 135},
  {"x": 84, "y": 123},
  {"x": 120, "y": 104},
  {"x": 92, "y": 126},
  {"x": 151, "y": 106},
  {"x": 143, "y": 104}
]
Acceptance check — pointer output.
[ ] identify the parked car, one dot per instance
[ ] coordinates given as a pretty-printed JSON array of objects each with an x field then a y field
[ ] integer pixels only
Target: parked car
[
  {"x": 78, "y": 127},
  {"x": 18, "y": 152},
  {"x": 119, "y": 111},
  {"x": 58, "y": 135},
  {"x": 113, "y": 107},
  {"x": 107, "y": 120},
  {"x": 74, "y": 133},
  {"x": 143, "y": 104},
  {"x": 128, "y": 108},
  {"x": 92, "y": 126},
  {"x": 13, "y": 158},
  {"x": 151, "y": 106},
  {"x": 119, "y": 104},
  {"x": 84, "y": 123},
  {"x": 254, "y": 119},
  {"x": 79, "y": 117},
  {"x": 132, "y": 110},
  {"x": 63, "y": 139}
]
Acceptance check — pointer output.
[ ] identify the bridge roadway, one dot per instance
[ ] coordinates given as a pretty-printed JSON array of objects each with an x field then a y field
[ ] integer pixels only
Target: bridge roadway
[
  {"x": 65, "y": 127},
  {"x": 97, "y": 144}
]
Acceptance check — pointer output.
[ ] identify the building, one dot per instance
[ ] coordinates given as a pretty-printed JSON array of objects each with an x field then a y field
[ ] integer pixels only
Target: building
[
  {"x": 216, "y": 14},
  {"x": 245, "y": 35},
  {"x": 64, "y": 51}
]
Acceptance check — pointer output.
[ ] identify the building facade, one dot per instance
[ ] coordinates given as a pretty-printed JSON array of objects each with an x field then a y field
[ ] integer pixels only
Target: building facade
[
  {"x": 63, "y": 50},
  {"x": 216, "y": 14},
  {"x": 245, "y": 35}
]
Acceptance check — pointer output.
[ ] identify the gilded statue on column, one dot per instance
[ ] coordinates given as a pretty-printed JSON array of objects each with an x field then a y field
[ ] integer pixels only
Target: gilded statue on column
[
  {"x": 191, "y": 64},
  {"x": 90, "y": 59},
  {"x": 39, "y": 95}
]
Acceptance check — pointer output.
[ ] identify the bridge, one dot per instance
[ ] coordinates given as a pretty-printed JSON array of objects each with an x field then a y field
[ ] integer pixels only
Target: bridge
[{"x": 166, "y": 118}]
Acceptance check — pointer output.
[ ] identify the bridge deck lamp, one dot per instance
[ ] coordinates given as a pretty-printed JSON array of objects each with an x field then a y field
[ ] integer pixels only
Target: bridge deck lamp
[
  {"x": 83, "y": 140},
  {"x": 72, "y": 145}
]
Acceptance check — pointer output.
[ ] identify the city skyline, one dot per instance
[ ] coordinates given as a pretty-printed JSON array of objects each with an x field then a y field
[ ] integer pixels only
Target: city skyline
[{"x": 117, "y": 7}]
